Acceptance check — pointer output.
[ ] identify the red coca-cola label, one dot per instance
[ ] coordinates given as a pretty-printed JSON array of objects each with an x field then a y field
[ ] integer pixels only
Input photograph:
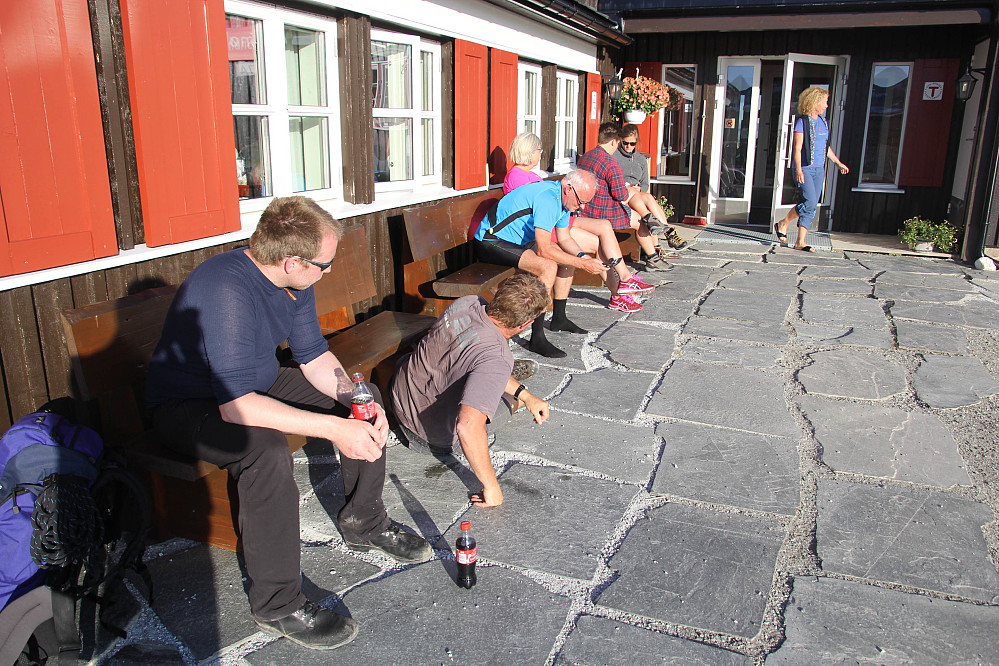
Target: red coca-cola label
[
  {"x": 364, "y": 411},
  {"x": 467, "y": 556}
]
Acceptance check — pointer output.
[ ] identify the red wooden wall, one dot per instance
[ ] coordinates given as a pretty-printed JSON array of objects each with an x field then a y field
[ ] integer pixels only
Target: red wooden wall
[
  {"x": 592, "y": 118},
  {"x": 184, "y": 142},
  {"x": 470, "y": 114},
  {"x": 502, "y": 111},
  {"x": 55, "y": 197},
  {"x": 927, "y": 125}
]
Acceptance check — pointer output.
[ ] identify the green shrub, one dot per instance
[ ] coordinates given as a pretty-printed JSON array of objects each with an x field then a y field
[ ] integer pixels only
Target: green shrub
[
  {"x": 666, "y": 206},
  {"x": 943, "y": 235}
]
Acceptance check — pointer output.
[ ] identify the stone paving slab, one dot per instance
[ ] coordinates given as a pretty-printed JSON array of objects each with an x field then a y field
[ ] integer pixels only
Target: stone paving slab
[
  {"x": 593, "y": 319},
  {"x": 732, "y": 329},
  {"x": 665, "y": 309},
  {"x": 748, "y": 400},
  {"x": 846, "y": 286},
  {"x": 625, "y": 452},
  {"x": 885, "y": 442},
  {"x": 728, "y": 467},
  {"x": 605, "y": 392},
  {"x": 990, "y": 287},
  {"x": 976, "y": 314},
  {"x": 848, "y": 270},
  {"x": 696, "y": 567},
  {"x": 749, "y": 306},
  {"x": 540, "y": 524},
  {"x": 929, "y": 337},
  {"x": 328, "y": 571},
  {"x": 784, "y": 255},
  {"x": 444, "y": 624},
  {"x": 852, "y": 373},
  {"x": 897, "y": 264},
  {"x": 831, "y": 621},
  {"x": 743, "y": 265},
  {"x": 730, "y": 352},
  {"x": 929, "y": 281},
  {"x": 919, "y": 294},
  {"x": 826, "y": 309},
  {"x": 638, "y": 346},
  {"x": 571, "y": 344},
  {"x": 829, "y": 334},
  {"x": 597, "y": 640},
  {"x": 922, "y": 538},
  {"x": 947, "y": 382},
  {"x": 545, "y": 380},
  {"x": 762, "y": 281},
  {"x": 730, "y": 247}
]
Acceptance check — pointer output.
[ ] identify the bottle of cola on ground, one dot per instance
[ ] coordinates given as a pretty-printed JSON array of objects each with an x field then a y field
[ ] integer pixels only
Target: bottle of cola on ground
[
  {"x": 362, "y": 402},
  {"x": 465, "y": 545}
]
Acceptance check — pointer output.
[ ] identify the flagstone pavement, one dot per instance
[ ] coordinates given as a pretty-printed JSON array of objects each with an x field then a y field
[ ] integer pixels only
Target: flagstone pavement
[{"x": 784, "y": 458}]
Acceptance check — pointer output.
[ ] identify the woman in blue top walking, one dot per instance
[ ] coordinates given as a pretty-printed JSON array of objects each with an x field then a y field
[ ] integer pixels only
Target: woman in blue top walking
[{"x": 811, "y": 148}]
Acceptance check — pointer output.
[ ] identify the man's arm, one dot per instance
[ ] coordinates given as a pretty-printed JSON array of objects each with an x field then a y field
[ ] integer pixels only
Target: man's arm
[
  {"x": 549, "y": 250},
  {"x": 617, "y": 187},
  {"x": 537, "y": 406},
  {"x": 471, "y": 429}
]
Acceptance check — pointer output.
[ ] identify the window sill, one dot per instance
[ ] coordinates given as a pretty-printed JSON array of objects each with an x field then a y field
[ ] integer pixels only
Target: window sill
[
  {"x": 679, "y": 180},
  {"x": 877, "y": 190}
]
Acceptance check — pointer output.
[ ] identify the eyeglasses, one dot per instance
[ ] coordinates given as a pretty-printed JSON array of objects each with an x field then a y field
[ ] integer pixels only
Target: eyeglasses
[
  {"x": 581, "y": 202},
  {"x": 539, "y": 149},
  {"x": 321, "y": 265},
  {"x": 630, "y": 143}
]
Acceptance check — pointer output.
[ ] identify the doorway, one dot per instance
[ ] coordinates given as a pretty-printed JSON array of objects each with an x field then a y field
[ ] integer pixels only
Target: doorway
[{"x": 752, "y": 176}]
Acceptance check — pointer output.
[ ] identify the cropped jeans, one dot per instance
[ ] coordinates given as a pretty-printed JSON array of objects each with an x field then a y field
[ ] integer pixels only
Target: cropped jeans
[{"x": 810, "y": 190}]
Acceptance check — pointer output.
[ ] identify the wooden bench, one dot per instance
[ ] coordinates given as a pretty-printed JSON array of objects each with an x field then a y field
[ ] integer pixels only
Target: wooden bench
[
  {"x": 110, "y": 345},
  {"x": 435, "y": 229}
]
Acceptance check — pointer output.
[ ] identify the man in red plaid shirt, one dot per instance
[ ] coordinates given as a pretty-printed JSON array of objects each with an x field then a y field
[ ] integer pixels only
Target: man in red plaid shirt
[{"x": 613, "y": 193}]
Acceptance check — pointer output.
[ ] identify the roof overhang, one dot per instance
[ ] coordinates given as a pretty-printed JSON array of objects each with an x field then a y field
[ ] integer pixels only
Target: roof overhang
[
  {"x": 571, "y": 17},
  {"x": 806, "y": 21}
]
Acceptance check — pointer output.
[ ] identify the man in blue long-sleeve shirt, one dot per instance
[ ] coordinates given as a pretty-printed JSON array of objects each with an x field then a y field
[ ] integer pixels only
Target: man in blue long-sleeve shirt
[{"x": 218, "y": 394}]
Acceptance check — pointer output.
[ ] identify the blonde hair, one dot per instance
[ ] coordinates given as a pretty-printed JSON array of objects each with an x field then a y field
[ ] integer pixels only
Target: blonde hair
[
  {"x": 518, "y": 300},
  {"x": 522, "y": 146},
  {"x": 291, "y": 227},
  {"x": 809, "y": 98}
]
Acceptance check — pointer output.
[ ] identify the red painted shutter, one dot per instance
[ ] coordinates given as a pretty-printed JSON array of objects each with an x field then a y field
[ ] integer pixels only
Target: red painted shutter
[
  {"x": 55, "y": 197},
  {"x": 592, "y": 120},
  {"x": 470, "y": 114},
  {"x": 648, "y": 132},
  {"x": 182, "y": 114},
  {"x": 502, "y": 111},
  {"x": 927, "y": 124}
]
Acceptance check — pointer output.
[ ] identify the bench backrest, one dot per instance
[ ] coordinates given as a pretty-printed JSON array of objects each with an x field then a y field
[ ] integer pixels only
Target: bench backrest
[{"x": 441, "y": 226}]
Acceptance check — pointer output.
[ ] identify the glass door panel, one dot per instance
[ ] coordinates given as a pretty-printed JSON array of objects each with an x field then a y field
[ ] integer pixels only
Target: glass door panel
[{"x": 739, "y": 99}]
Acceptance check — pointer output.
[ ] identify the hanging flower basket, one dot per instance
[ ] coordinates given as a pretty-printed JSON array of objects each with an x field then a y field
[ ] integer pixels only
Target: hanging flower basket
[
  {"x": 635, "y": 116},
  {"x": 646, "y": 96}
]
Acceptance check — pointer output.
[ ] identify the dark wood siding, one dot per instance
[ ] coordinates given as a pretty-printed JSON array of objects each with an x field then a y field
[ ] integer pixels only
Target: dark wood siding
[{"x": 862, "y": 212}]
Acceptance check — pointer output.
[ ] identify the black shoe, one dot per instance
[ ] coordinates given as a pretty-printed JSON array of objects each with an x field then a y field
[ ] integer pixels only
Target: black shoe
[
  {"x": 523, "y": 369},
  {"x": 395, "y": 543},
  {"x": 312, "y": 626}
]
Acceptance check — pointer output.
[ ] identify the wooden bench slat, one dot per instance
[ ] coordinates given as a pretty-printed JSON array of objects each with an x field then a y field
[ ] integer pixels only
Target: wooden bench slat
[{"x": 472, "y": 280}]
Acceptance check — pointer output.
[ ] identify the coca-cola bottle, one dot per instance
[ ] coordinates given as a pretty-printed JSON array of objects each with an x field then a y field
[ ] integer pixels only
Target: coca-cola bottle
[
  {"x": 466, "y": 556},
  {"x": 362, "y": 401}
]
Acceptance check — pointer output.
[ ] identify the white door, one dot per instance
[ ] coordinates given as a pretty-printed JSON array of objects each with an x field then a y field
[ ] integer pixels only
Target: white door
[
  {"x": 801, "y": 72},
  {"x": 733, "y": 157}
]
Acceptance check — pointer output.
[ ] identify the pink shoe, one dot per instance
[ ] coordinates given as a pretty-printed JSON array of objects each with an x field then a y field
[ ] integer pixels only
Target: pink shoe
[
  {"x": 624, "y": 303},
  {"x": 633, "y": 285}
]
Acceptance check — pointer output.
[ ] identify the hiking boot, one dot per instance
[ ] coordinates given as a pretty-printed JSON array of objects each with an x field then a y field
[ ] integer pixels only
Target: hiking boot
[
  {"x": 624, "y": 303},
  {"x": 655, "y": 262},
  {"x": 312, "y": 626},
  {"x": 523, "y": 369},
  {"x": 634, "y": 286},
  {"x": 674, "y": 239},
  {"x": 396, "y": 543}
]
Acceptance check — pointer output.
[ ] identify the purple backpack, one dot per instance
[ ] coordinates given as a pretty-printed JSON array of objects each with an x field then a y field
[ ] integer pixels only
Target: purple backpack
[{"x": 36, "y": 446}]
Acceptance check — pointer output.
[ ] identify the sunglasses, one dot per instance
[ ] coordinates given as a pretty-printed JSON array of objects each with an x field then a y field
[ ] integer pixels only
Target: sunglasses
[
  {"x": 630, "y": 143},
  {"x": 321, "y": 265},
  {"x": 581, "y": 202}
]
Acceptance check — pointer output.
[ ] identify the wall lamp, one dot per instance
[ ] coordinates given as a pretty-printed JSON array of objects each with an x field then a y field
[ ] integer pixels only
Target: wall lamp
[
  {"x": 966, "y": 83},
  {"x": 614, "y": 86}
]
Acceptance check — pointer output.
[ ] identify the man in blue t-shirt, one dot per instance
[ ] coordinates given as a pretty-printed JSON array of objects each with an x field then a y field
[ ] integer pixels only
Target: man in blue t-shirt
[
  {"x": 218, "y": 394},
  {"x": 529, "y": 229}
]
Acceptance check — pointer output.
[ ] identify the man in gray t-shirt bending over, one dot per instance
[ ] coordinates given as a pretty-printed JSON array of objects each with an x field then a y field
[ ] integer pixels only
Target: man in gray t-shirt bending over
[{"x": 458, "y": 378}]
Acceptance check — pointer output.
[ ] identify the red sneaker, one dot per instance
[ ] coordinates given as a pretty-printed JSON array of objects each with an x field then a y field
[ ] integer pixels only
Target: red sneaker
[
  {"x": 634, "y": 285},
  {"x": 624, "y": 303}
]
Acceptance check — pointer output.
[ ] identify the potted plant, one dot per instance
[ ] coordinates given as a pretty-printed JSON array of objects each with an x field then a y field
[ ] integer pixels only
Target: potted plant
[
  {"x": 642, "y": 97},
  {"x": 923, "y": 235},
  {"x": 666, "y": 206}
]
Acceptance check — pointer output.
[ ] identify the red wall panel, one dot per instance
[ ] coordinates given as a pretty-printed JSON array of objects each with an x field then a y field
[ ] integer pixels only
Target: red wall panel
[
  {"x": 54, "y": 187},
  {"x": 592, "y": 119},
  {"x": 470, "y": 114},
  {"x": 502, "y": 111},
  {"x": 182, "y": 115},
  {"x": 648, "y": 131},
  {"x": 927, "y": 124}
]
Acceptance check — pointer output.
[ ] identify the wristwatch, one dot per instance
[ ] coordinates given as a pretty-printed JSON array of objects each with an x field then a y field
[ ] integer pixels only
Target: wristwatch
[
  {"x": 520, "y": 389},
  {"x": 581, "y": 255}
]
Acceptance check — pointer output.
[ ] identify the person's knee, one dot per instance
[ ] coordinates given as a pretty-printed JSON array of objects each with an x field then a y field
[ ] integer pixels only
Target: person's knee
[{"x": 565, "y": 272}]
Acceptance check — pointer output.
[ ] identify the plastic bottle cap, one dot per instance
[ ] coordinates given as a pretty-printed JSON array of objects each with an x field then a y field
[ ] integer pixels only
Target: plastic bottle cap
[{"x": 465, "y": 525}]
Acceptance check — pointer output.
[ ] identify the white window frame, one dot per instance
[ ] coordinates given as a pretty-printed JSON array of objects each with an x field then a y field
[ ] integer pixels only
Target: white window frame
[
  {"x": 417, "y": 44},
  {"x": 562, "y": 162},
  {"x": 278, "y": 111},
  {"x": 891, "y": 187},
  {"x": 659, "y": 176},
  {"x": 522, "y": 117}
]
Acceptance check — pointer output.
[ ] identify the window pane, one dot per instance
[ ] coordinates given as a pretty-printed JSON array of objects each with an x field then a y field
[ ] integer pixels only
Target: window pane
[
  {"x": 304, "y": 53},
  {"x": 569, "y": 99},
  {"x": 427, "y": 80},
  {"x": 884, "y": 123},
  {"x": 678, "y": 124},
  {"x": 429, "y": 158},
  {"x": 253, "y": 164},
  {"x": 530, "y": 126},
  {"x": 393, "y": 149},
  {"x": 246, "y": 60},
  {"x": 309, "y": 154},
  {"x": 735, "y": 141},
  {"x": 530, "y": 98},
  {"x": 569, "y": 140},
  {"x": 391, "y": 75}
]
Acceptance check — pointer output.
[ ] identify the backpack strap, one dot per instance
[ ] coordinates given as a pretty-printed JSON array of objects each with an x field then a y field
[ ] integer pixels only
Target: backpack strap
[{"x": 495, "y": 228}]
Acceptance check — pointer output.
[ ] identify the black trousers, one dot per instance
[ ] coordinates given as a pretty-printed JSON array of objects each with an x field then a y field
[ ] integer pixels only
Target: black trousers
[{"x": 260, "y": 463}]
